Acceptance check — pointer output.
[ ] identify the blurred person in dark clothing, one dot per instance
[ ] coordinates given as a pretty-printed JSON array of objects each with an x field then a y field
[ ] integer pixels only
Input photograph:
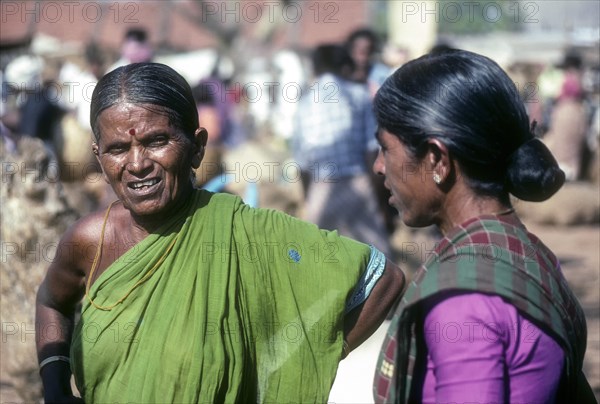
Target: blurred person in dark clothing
[{"x": 37, "y": 113}]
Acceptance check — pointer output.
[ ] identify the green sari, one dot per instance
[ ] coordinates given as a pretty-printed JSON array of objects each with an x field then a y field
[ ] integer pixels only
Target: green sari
[{"x": 247, "y": 306}]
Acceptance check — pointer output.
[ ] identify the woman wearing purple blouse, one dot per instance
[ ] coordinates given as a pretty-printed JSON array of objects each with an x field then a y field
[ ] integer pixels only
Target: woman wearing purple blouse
[{"x": 489, "y": 317}]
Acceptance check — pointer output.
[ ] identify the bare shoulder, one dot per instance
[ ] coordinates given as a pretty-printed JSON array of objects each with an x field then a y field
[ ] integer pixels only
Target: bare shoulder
[
  {"x": 70, "y": 267},
  {"x": 88, "y": 228},
  {"x": 64, "y": 284},
  {"x": 82, "y": 237}
]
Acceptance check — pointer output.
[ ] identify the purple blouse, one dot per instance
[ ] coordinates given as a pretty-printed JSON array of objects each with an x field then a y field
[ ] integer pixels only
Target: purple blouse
[{"x": 481, "y": 349}]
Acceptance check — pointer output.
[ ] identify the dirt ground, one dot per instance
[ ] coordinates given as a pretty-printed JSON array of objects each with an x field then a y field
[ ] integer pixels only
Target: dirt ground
[{"x": 578, "y": 249}]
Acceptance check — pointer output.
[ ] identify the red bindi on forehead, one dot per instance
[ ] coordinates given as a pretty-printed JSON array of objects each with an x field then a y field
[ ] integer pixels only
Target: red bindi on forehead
[{"x": 132, "y": 132}]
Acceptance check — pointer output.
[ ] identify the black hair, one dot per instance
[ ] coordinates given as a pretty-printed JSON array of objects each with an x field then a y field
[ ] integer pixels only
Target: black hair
[
  {"x": 137, "y": 34},
  {"x": 441, "y": 47},
  {"x": 571, "y": 60},
  {"x": 331, "y": 58},
  {"x": 93, "y": 53},
  {"x": 366, "y": 33},
  {"x": 149, "y": 84},
  {"x": 469, "y": 103},
  {"x": 204, "y": 94}
]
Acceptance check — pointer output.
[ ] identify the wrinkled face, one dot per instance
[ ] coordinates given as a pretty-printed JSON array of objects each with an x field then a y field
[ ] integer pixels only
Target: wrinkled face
[
  {"x": 409, "y": 181},
  {"x": 145, "y": 160}
]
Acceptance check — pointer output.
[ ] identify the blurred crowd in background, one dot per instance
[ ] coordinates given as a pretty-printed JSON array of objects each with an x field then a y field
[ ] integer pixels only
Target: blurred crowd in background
[{"x": 302, "y": 103}]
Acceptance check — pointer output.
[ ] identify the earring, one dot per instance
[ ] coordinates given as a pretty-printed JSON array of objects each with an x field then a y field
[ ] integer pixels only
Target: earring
[{"x": 437, "y": 178}]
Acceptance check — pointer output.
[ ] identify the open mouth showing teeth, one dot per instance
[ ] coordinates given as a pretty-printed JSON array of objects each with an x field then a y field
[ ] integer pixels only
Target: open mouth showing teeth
[{"x": 144, "y": 184}]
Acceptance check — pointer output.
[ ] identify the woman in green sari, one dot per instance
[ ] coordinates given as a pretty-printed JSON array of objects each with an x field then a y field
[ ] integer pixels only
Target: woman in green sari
[{"x": 191, "y": 296}]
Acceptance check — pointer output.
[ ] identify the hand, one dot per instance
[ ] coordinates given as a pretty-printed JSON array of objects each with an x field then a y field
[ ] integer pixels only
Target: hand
[
  {"x": 56, "y": 379},
  {"x": 62, "y": 399}
]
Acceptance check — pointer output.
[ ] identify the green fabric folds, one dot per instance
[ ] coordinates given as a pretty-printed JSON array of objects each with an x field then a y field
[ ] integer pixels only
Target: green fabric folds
[{"x": 247, "y": 307}]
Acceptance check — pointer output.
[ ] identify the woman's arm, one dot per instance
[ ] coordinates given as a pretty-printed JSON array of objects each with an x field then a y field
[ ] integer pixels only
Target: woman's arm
[
  {"x": 57, "y": 298},
  {"x": 482, "y": 350},
  {"x": 364, "y": 320}
]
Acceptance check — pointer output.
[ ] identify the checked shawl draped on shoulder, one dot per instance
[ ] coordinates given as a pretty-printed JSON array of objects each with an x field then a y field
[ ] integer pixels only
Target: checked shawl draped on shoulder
[
  {"x": 496, "y": 255},
  {"x": 247, "y": 306}
]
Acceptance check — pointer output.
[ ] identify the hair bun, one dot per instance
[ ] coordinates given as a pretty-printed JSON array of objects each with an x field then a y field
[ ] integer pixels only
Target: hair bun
[{"x": 533, "y": 173}]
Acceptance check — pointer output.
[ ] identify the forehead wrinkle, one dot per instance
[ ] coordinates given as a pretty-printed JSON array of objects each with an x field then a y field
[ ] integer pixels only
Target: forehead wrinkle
[{"x": 127, "y": 116}]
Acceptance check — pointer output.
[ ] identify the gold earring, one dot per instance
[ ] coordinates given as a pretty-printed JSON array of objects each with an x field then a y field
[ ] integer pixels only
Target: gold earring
[{"x": 437, "y": 178}]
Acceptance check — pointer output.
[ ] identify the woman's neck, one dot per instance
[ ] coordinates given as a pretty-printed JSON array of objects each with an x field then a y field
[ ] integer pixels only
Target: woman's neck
[
  {"x": 143, "y": 225},
  {"x": 460, "y": 207}
]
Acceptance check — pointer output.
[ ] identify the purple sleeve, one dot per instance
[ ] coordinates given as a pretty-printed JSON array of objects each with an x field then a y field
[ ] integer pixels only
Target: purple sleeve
[{"x": 476, "y": 342}]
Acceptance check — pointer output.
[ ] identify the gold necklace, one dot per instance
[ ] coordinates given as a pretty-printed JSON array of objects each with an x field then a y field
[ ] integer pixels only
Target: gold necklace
[
  {"x": 97, "y": 259},
  {"x": 504, "y": 212}
]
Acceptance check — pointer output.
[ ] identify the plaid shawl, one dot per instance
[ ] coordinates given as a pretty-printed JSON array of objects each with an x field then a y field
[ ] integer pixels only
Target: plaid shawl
[{"x": 495, "y": 255}]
